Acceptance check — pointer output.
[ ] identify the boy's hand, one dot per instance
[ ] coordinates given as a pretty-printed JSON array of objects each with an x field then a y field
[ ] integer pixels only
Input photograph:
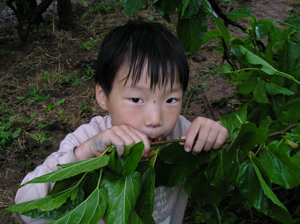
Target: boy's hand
[
  {"x": 210, "y": 134},
  {"x": 118, "y": 136}
]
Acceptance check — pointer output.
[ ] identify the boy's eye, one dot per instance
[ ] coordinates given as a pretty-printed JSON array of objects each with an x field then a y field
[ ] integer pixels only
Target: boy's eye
[
  {"x": 136, "y": 100},
  {"x": 171, "y": 100}
]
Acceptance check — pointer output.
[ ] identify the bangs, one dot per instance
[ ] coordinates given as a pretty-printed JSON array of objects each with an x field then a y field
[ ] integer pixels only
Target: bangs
[{"x": 142, "y": 45}]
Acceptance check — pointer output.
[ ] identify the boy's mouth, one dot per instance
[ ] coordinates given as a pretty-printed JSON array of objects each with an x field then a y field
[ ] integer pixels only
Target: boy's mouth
[{"x": 153, "y": 140}]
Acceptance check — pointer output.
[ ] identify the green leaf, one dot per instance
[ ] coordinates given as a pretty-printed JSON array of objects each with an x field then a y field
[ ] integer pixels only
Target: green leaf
[
  {"x": 267, "y": 190},
  {"x": 72, "y": 169},
  {"x": 126, "y": 164},
  {"x": 41, "y": 97},
  {"x": 191, "y": 32},
  {"x": 262, "y": 135},
  {"x": 254, "y": 59},
  {"x": 294, "y": 21},
  {"x": 223, "y": 29},
  {"x": 273, "y": 89},
  {"x": 17, "y": 133},
  {"x": 171, "y": 6},
  {"x": 245, "y": 141},
  {"x": 239, "y": 13},
  {"x": 277, "y": 103},
  {"x": 216, "y": 34},
  {"x": 175, "y": 154},
  {"x": 20, "y": 98},
  {"x": 134, "y": 218},
  {"x": 59, "y": 102},
  {"x": 290, "y": 113},
  {"x": 250, "y": 187},
  {"x": 45, "y": 204},
  {"x": 90, "y": 210},
  {"x": 296, "y": 159},
  {"x": 280, "y": 168},
  {"x": 248, "y": 85},
  {"x": 261, "y": 30},
  {"x": 233, "y": 122},
  {"x": 266, "y": 122},
  {"x": 132, "y": 6},
  {"x": 58, "y": 212},
  {"x": 239, "y": 148},
  {"x": 216, "y": 172},
  {"x": 84, "y": 3},
  {"x": 31, "y": 91},
  {"x": 190, "y": 9},
  {"x": 122, "y": 194},
  {"x": 259, "y": 92},
  {"x": 145, "y": 203},
  {"x": 198, "y": 188},
  {"x": 174, "y": 165}
]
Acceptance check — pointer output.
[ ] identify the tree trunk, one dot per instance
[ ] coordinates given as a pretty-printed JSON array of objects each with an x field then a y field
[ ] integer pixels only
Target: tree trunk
[
  {"x": 28, "y": 12},
  {"x": 65, "y": 14}
]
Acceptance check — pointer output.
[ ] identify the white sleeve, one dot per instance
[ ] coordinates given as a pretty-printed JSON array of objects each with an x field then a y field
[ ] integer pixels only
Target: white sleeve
[{"x": 62, "y": 156}]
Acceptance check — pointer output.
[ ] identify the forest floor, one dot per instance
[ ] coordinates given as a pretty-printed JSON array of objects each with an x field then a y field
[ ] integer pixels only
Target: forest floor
[{"x": 47, "y": 86}]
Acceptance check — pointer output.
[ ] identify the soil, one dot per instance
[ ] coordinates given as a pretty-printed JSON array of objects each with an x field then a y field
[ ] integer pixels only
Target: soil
[{"x": 57, "y": 63}]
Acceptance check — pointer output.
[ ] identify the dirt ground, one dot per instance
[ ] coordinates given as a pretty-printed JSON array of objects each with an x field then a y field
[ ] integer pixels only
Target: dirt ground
[{"x": 59, "y": 64}]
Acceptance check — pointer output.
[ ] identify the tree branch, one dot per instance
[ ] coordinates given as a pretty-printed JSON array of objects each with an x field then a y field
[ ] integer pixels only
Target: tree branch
[
  {"x": 289, "y": 127},
  {"x": 227, "y": 21}
]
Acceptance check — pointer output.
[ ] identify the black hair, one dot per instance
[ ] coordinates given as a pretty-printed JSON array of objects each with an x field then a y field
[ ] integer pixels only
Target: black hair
[{"x": 139, "y": 44}]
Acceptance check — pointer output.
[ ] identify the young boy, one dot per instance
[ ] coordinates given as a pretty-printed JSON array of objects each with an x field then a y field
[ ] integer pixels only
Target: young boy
[{"x": 141, "y": 76}]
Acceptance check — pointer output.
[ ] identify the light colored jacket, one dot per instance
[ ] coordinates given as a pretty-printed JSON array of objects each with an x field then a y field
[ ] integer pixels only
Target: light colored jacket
[{"x": 169, "y": 204}]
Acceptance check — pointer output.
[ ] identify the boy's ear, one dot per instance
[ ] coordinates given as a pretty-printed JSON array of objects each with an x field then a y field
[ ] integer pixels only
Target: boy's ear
[{"x": 101, "y": 97}]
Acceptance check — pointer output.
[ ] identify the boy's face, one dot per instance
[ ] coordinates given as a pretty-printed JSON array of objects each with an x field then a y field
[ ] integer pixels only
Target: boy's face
[{"x": 152, "y": 112}]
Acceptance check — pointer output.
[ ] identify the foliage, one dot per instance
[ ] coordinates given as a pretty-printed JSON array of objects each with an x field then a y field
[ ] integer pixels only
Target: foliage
[
  {"x": 51, "y": 106},
  {"x": 42, "y": 137},
  {"x": 260, "y": 167},
  {"x": 103, "y": 8},
  {"x": 8, "y": 134},
  {"x": 90, "y": 44},
  {"x": 32, "y": 97}
]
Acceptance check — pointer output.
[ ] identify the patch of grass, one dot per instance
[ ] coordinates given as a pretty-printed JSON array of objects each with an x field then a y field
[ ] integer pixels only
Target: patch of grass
[
  {"x": 4, "y": 52},
  {"x": 90, "y": 44},
  {"x": 32, "y": 97},
  {"x": 51, "y": 106},
  {"x": 103, "y": 8},
  {"x": 41, "y": 137},
  {"x": 85, "y": 107},
  {"x": 293, "y": 11},
  {"x": 8, "y": 133}
]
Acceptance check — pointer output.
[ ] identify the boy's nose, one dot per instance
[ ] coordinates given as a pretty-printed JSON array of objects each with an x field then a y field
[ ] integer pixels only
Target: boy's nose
[{"x": 153, "y": 117}]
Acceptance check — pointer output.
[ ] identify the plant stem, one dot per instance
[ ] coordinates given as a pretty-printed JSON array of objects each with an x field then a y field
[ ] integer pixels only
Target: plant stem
[
  {"x": 290, "y": 126},
  {"x": 101, "y": 170},
  {"x": 81, "y": 179},
  {"x": 219, "y": 217}
]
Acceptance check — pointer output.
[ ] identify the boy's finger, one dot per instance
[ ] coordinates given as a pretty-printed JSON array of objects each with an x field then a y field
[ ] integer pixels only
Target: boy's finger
[
  {"x": 210, "y": 140},
  {"x": 222, "y": 136},
  {"x": 144, "y": 139},
  {"x": 190, "y": 137},
  {"x": 201, "y": 141}
]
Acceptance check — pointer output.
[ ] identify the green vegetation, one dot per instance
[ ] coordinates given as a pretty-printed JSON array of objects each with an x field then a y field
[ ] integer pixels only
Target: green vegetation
[
  {"x": 103, "y": 8},
  {"x": 91, "y": 44},
  {"x": 8, "y": 133},
  {"x": 4, "y": 52},
  {"x": 256, "y": 178},
  {"x": 51, "y": 106}
]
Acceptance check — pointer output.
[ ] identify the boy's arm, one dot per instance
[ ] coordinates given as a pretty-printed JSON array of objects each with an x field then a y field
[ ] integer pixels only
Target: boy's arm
[
  {"x": 206, "y": 133},
  {"x": 62, "y": 156}
]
